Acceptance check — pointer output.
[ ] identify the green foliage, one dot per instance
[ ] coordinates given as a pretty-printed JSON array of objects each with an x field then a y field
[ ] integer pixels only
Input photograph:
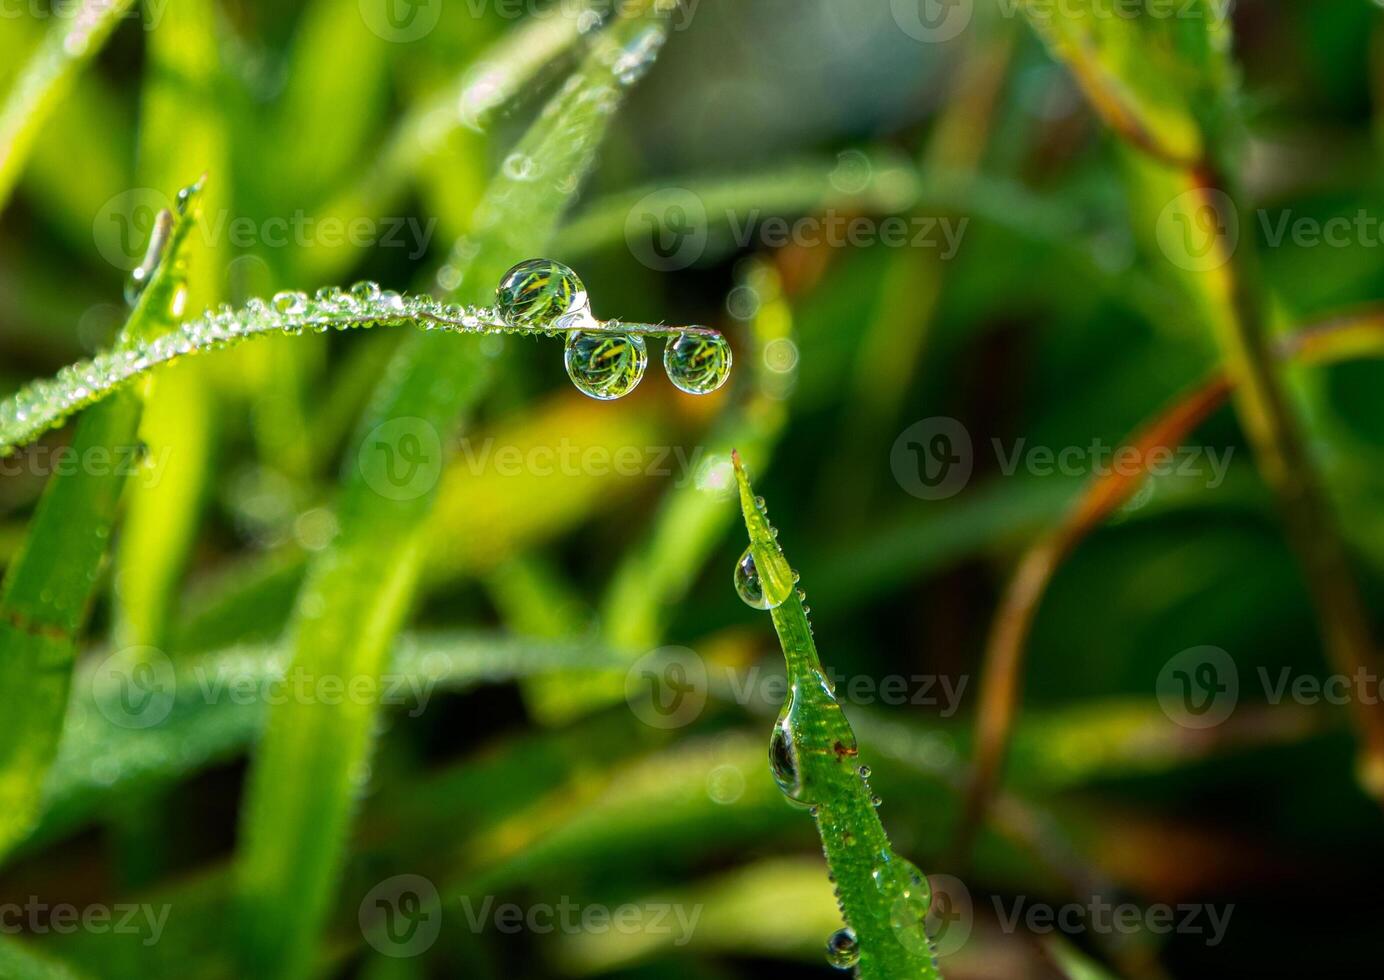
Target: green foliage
[{"x": 815, "y": 759}]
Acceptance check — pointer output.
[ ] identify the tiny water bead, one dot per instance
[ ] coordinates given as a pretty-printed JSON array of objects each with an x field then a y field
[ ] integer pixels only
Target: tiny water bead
[
  {"x": 843, "y": 951},
  {"x": 536, "y": 294},
  {"x": 605, "y": 366},
  {"x": 697, "y": 363}
]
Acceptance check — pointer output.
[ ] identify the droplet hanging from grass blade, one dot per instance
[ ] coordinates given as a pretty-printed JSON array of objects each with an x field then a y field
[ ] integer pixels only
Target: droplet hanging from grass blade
[
  {"x": 697, "y": 363},
  {"x": 605, "y": 366},
  {"x": 843, "y": 951}
]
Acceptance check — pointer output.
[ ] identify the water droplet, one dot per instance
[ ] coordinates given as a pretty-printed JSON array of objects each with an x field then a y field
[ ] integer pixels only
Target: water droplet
[
  {"x": 843, "y": 952},
  {"x": 605, "y": 365},
  {"x": 696, "y": 363},
  {"x": 900, "y": 880},
  {"x": 749, "y": 585},
  {"x": 538, "y": 292},
  {"x": 365, "y": 292},
  {"x": 864, "y": 771},
  {"x": 520, "y": 167},
  {"x": 783, "y": 757},
  {"x": 290, "y": 303}
]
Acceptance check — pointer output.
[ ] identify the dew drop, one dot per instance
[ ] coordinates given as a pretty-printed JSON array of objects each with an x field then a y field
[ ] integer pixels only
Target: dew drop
[
  {"x": 910, "y": 895},
  {"x": 605, "y": 365},
  {"x": 748, "y": 584},
  {"x": 696, "y": 363},
  {"x": 538, "y": 292},
  {"x": 365, "y": 292},
  {"x": 843, "y": 952},
  {"x": 290, "y": 303}
]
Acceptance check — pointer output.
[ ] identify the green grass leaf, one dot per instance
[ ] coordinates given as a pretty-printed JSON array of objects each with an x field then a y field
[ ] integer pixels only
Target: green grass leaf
[
  {"x": 815, "y": 760},
  {"x": 305, "y": 777},
  {"x": 48, "y": 588},
  {"x": 72, "y": 41},
  {"x": 1156, "y": 74}
]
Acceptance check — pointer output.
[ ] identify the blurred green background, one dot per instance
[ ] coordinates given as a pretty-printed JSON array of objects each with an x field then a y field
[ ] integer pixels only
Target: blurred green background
[{"x": 906, "y": 235}]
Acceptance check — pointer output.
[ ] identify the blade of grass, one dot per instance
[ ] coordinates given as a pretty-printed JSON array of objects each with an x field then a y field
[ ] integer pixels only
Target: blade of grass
[
  {"x": 182, "y": 133},
  {"x": 1339, "y": 338},
  {"x": 72, "y": 41},
  {"x": 1165, "y": 84},
  {"x": 48, "y": 589},
  {"x": 304, "y": 778},
  {"x": 814, "y": 757},
  {"x": 43, "y": 405}
]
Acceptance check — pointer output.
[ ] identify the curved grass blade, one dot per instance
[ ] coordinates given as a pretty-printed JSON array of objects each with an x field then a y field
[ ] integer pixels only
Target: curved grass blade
[
  {"x": 305, "y": 777},
  {"x": 182, "y": 132},
  {"x": 48, "y": 588},
  {"x": 1152, "y": 76},
  {"x": 1193, "y": 175},
  {"x": 46, "y": 404},
  {"x": 815, "y": 760},
  {"x": 1340, "y": 338},
  {"x": 72, "y": 42}
]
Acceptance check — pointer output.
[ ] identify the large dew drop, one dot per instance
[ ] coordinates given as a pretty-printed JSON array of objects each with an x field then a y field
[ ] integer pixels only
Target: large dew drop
[
  {"x": 843, "y": 951},
  {"x": 697, "y": 363},
  {"x": 605, "y": 365},
  {"x": 910, "y": 895},
  {"x": 749, "y": 585},
  {"x": 536, "y": 294}
]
